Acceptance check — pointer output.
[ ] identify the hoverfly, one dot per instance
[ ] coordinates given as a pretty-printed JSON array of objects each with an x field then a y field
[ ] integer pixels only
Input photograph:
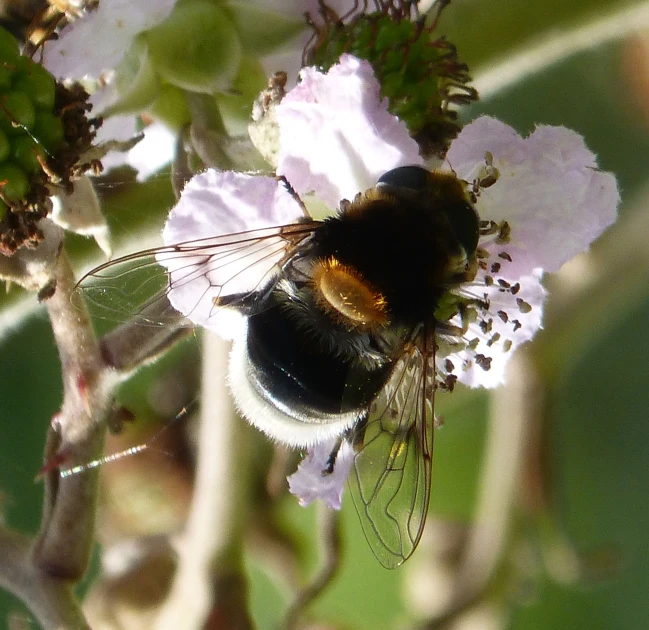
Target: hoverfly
[{"x": 340, "y": 332}]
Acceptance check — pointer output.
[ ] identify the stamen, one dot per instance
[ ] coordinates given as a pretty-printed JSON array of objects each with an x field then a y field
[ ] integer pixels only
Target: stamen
[
  {"x": 495, "y": 337},
  {"x": 486, "y": 325},
  {"x": 523, "y": 306},
  {"x": 504, "y": 233},
  {"x": 483, "y": 361},
  {"x": 488, "y": 227}
]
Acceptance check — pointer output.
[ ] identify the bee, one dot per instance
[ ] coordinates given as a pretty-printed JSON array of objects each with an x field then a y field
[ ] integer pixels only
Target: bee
[{"x": 339, "y": 340}]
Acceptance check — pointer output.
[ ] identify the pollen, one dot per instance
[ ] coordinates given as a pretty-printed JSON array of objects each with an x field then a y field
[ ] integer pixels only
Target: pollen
[{"x": 347, "y": 296}]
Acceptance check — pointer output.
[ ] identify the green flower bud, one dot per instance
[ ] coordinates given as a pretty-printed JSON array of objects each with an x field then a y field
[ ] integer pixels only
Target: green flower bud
[
  {"x": 48, "y": 130},
  {"x": 171, "y": 107},
  {"x": 136, "y": 81},
  {"x": 6, "y": 75},
  {"x": 9, "y": 49},
  {"x": 16, "y": 111},
  {"x": 14, "y": 184},
  {"x": 37, "y": 83},
  {"x": 5, "y": 147},
  {"x": 236, "y": 106},
  {"x": 26, "y": 152},
  {"x": 262, "y": 30},
  {"x": 195, "y": 48}
]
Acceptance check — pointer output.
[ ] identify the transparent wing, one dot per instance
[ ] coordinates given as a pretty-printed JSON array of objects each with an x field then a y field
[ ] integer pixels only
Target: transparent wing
[
  {"x": 195, "y": 278},
  {"x": 390, "y": 479}
]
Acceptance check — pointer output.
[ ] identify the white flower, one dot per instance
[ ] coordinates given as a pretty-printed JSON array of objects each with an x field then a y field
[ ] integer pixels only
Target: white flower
[
  {"x": 336, "y": 134},
  {"x": 154, "y": 151},
  {"x": 94, "y": 45},
  {"x": 79, "y": 211},
  {"x": 312, "y": 481},
  {"x": 98, "y": 41},
  {"x": 549, "y": 190},
  {"x": 336, "y": 139},
  {"x": 215, "y": 204}
]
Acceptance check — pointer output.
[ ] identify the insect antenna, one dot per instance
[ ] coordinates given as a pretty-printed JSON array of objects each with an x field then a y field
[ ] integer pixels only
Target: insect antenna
[{"x": 128, "y": 452}]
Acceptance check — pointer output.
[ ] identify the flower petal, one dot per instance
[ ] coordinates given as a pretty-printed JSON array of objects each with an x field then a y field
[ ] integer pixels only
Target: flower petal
[
  {"x": 98, "y": 41},
  {"x": 216, "y": 207},
  {"x": 153, "y": 152},
  {"x": 156, "y": 149},
  {"x": 549, "y": 190},
  {"x": 311, "y": 482},
  {"x": 336, "y": 134},
  {"x": 80, "y": 211},
  {"x": 511, "y": 320}
]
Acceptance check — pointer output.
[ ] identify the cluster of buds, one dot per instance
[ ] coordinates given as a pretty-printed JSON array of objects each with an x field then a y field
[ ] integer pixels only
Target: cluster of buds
[
  {"x": 44, "y": 132},
  {"x": 419, "y": 72}
]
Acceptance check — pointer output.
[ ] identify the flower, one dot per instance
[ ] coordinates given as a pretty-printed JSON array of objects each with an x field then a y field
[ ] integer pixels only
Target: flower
[
  {"x": 98, "y": 42},
  {"x": 151, "y": 57},
  {"x": 153, "y": 152},
  {"x": 337, "y": 136},
  {"x": 92, "y": 47},
  {"x": 311, "y": 482},
  {"x": 215, "y": 204},
  {"x": 542, "y": 201}
]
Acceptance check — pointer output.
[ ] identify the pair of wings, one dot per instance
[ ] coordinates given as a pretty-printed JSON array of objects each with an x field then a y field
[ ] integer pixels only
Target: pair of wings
[{"x": 390, "y": 478}]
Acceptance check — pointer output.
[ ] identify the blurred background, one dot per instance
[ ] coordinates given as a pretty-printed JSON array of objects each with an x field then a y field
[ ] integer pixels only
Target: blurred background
[{"x": 573, "y": 547}]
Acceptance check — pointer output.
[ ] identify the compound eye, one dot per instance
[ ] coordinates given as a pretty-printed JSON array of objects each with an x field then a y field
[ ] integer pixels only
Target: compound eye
[{"x": 414, "y": 178}]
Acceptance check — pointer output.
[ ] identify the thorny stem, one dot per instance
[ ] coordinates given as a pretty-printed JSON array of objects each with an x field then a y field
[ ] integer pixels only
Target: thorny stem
[
  {"x": 42, "y": 572},
  {"x": 331, "y": 553},
  {"x": 52, "y": 601},
  {"x": 65, "y": 540}
]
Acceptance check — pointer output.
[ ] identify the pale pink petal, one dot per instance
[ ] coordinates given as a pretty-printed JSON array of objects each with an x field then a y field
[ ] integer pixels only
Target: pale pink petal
[
  {"x": 98, "y": 41},
  {"x": 215, "y": 208},
  {"x": 311, "y": 481},
  {"x": 155, "y": 151},
  {"x": 80, "y": 211},
  {"x": 512, "y": 319},
  {"x": 549, "y": 190},
  {"x": 336, "y": 134}
]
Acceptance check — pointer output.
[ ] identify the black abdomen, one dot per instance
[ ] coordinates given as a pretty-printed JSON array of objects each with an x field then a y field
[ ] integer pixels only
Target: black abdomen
[{"x": 295, "y": 368}]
